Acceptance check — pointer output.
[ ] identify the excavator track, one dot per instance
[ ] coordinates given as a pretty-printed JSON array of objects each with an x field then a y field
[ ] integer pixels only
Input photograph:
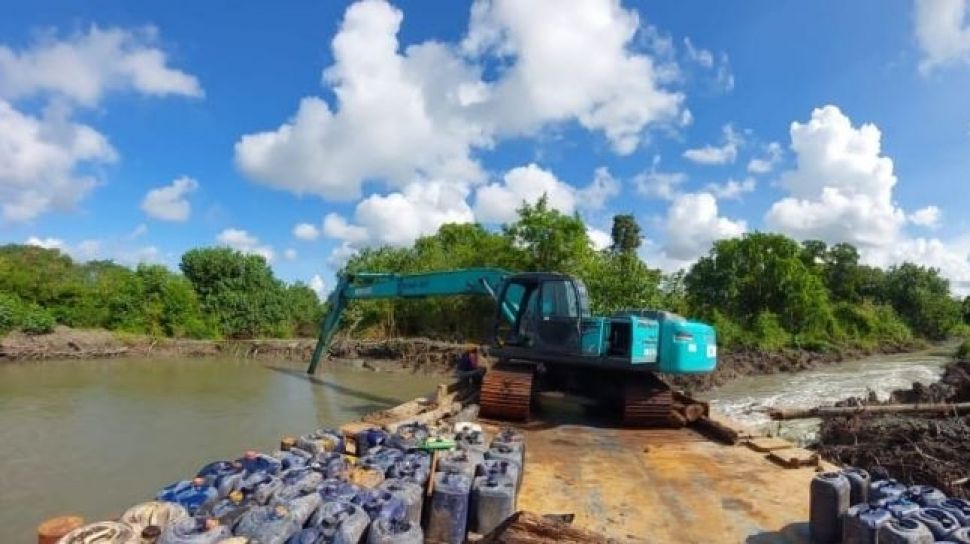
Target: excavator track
[
  {"x": 648, "y": 405},
  {"x": 506, "y": 392}
]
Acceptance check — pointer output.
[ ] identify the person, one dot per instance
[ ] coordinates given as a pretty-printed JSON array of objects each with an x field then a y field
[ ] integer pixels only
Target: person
[{"x": 470, "y": 365}]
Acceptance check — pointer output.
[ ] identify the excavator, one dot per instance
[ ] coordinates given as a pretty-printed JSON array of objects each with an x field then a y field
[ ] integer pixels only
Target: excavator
[{"x": 544, "y": 338}]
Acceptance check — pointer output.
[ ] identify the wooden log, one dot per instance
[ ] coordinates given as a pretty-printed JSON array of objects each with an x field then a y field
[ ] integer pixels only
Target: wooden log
[
  {"x": 677, "y": 419},
  {"x": 427, "y": 418},
  {"x": 833, "y": 411},
  {"x": 693, "y": 412},
  {"x": 717, "y": 430},
  {"x": 529, "y": 528}
]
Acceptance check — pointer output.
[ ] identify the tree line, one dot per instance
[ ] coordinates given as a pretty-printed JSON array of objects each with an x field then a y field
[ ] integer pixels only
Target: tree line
[
  {"x": 761, "y": 290},
  {"x": 220, "y": 293}
]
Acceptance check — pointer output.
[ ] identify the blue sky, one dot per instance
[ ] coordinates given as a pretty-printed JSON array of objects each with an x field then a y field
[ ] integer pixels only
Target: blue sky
[{"x": 307, "y": 130}]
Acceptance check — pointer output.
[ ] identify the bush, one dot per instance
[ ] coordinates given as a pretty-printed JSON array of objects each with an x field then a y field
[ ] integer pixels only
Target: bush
[
  {"x": 767, "y": 332},
  {"x": 11, "y": 310},
  {"x": 37, "y": 320}
]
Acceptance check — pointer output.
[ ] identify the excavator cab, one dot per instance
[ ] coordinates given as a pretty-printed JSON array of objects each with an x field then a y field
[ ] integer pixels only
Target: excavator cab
[{"x": 549, "y": 309}]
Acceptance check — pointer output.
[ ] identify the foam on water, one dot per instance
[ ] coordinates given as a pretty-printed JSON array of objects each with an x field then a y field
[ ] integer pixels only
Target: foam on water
[{"x": 747, "y": 399}]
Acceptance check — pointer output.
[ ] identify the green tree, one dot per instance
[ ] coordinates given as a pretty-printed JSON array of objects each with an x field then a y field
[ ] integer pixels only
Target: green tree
[
  {"x": 547, "y": 240},
  {"x": 238, "y": 290},
  {"x": 922, "y": 299},
  {"x": 625, "y": 234}
]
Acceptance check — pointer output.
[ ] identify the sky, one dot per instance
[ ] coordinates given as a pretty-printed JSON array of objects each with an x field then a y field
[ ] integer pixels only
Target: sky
[{"x": 304, "y": 131}]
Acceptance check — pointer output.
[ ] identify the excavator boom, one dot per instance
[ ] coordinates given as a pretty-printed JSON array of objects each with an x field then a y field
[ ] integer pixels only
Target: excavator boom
[{"x": 469, "y": 281}]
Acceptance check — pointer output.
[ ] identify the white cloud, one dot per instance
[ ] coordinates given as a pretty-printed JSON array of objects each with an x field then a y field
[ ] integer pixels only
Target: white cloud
[
  {"x": 41, "y": 160},
  {"x": 723, "y": 154},
  {"x": 290, "y": 254},
  {"x": 599, "y": 238},
  {"x": 318, "y": 285},
  {"x": 657, "y": 184},
  {"x": 732, "y": 189},
  {"x": 767, "y": 162},
  {"x": 170, "y": 202},
  {"x": 46, "y": 243},
  {"x": 117, "y": 250},
  {"x": 701, "y": 56},
  {"x": 693, "y": 224},
  {"x": 600, "y": 191},
  {"x": 841, "y": 189},
  {"x": 418, "y": 115},
  {"x": 498, "y": 202},
  {"x": 943, "y": 32},
  {"x": 306, "y": 232},
  {"x": 138, "y": 232},
  {"x": 241, "y": 240},
  {"x": 84, "y": 66},
  {"x": 397, "y": 219},
  {"x": 926, "y": 217}
]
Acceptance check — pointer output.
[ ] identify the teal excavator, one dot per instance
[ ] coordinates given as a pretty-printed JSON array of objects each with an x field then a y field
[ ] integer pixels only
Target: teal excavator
[{"x": 543, "y": 337}]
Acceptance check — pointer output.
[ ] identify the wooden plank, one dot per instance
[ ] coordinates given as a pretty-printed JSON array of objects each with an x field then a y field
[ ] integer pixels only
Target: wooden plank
[
  {"x": 767, "y": 444},
  {"x": 794, "y": 457}
]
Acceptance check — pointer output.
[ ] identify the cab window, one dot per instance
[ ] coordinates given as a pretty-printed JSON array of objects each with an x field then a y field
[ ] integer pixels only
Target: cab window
[{"x": 559, "y": 300}]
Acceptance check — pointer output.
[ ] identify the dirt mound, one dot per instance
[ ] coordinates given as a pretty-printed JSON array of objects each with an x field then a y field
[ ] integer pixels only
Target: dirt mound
[{"x": 912, "y": 449}]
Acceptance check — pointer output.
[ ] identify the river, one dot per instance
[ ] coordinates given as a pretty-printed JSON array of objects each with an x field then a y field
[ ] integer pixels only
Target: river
[
  {"x": 745, "y": 400},
  {"x": 93, "y": 437}
]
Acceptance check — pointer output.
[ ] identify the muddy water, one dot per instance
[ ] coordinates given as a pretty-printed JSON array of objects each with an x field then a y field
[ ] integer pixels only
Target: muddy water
[
  {"x": 746, "y": 399},
  {"x": 94, "y": 437}
]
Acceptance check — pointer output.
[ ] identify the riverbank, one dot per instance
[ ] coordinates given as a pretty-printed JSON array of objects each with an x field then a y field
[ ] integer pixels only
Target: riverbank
[{"x": 413, "y": 355}]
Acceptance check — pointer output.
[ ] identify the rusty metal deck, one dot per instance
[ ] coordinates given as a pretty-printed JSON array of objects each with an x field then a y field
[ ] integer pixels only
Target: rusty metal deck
[{"x": 662, "y": 486}]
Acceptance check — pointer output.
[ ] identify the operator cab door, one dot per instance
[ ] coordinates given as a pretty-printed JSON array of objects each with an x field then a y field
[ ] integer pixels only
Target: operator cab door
[{"x": 558, "y": 314}]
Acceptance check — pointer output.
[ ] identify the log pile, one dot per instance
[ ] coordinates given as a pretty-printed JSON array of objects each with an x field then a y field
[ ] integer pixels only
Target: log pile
[{"x": 529, "y": 528}]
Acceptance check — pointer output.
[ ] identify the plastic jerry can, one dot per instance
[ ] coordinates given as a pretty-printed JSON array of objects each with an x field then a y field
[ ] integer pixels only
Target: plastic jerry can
[
  {"x": 381, "y": 504},
  {"x": 861, "y": 522},
  {"x": 342, "y": 522},
  {"x": 466, "y": 426},
  {"x": 859, "y": 481},
  {"x": 492, "y": 501},
  {"x": 389, "y": 531},
  {"x": 293, "y": 458},
  {"x": 157, "y": 513},
  {"x": 411, "y": 471},
  {"x": 409, "y": 436},
  {"x": 331, "y": 465},
  {"x": 302, "y": 505},
  {"x": 218, "y": 470},
  {"x": 960, "y": 509},
  {"x": 899, "y": 507},
  {"x": 191, "y": 494},
  {"x": 464, "y": 461},
  {"x": 366, "y": 477},
  {"x": 885, "y": 489},
  {"x": 472, "y": 441},
  {"x": 102, "y": 532},
  {"x": 309, "y": 535},
  {"x": 253, "y": 461},
  {"x": 448, "y": 516},
  {"x": 338, "y": 490},
  {"x": 381, "y": 458},
  {"x": 512, "y": 453},
  {"x": 321, "y": 440},
  {"x": 267, "y": 524},
  {"x": 960, "y": 536},
  {"x": 501, "y": 466},
  {"x": 925, "y": 495},
  {"x": 940, "y": 522},
  {"x": 229, "y": 509},
  {"x": 369, "y": 438},
  {"x": 510, "y": 437},
  {"x": 409, "y": 493},
  {"x": 301, "y": 479},
  {"x": 904, "y": 531},
  {"x": 828, "y": 501},
  {"x": 194, "y": 531}
]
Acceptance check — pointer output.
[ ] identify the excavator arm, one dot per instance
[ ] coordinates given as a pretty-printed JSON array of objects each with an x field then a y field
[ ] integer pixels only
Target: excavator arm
[{"x": 363, "y": 286}]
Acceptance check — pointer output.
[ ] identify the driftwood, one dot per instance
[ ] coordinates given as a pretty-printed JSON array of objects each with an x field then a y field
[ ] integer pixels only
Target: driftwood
[
  {"x": 833, "y": 411},
  {"x": 529, "y": 528},
  {"x": 717, "y": 430}
]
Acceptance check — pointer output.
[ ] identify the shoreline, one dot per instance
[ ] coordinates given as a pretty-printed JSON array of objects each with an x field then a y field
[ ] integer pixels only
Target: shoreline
[{"x": 414, "y": 355}]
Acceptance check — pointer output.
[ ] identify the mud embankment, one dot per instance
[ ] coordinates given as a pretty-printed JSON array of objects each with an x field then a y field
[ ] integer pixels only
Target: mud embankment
[
  {"x": 741, "y": 363},
  {"x": 404, "y": 355},
  {"x": 913, "y": 449}
]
